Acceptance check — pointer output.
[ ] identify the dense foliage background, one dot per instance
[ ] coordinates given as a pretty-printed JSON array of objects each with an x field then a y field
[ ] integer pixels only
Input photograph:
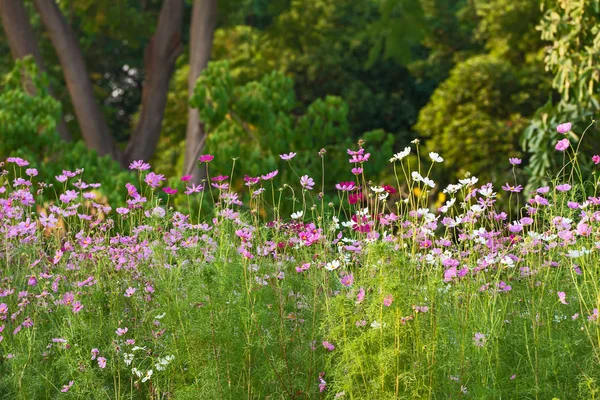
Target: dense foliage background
[{"x": 476, "y": 81}]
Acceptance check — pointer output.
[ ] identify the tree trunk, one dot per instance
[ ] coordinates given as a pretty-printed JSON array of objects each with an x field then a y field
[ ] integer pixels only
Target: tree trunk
[
  {"x": 159, "y": 60},
  {"x": 204, "y": 19},
  {"x": 22, "y": 43},
  {"x": 91, "y": 121}
]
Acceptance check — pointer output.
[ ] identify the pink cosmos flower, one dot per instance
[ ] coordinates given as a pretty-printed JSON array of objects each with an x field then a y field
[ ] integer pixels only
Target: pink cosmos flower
[
  {"x": 328, "y": 346},
  {"x": 66, "y": 388},
  {"x": 17, "y": 160},
  {"x": 307, "y": 182},
  {"x": 194, "y": 189},
  {"x": 562, "y": 145},
  {"x": 77, "y": 306},
  {"x": 345, "y": 186},
  {"x": 153, "y": 180},
  {"x": 564, "y": 128},
  {"x": 361, "y": 295},
  {"x": 95, "y": 353},
  {"x": 387, "y": 301},
  {"x": 121, "y": 331},
  {"x": 102, "y": 362},
  {"x": 140, "y": 165},
  {"x": 360, "y": 158},
  {"x": 543, "y": 190},
  {"x": 357, "y": 171},
  {"x": 347, "y": 280},
  {"x": 596, "y": 159},
  {"x": 562, "y": 297},
  {"x": 270, "y": 175},
  {"x": 421, "y": 309},
  {"x": 48, "y": 221},
  {"x": 514, "y": 161},
  {"x": 287, "y": 157},
  {"x": 129, "y": 292},
  {"x": 479, "y": 339},
  {"x": 31, "y": 172},
  {"x": 564, "y": 187},
  {"x": 205, "y": 158},
  {"x": 512, "y": 189},
  {"x": 122, "y": 210}
]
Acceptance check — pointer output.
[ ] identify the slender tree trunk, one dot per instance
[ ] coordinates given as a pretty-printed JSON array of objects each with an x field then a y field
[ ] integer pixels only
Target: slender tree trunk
[
  {"x": 159, "y": 60},
  {"x": 22, "y": 43},
  {"x": 91, "y": 121},
  {"x": 204, "y": 19}
]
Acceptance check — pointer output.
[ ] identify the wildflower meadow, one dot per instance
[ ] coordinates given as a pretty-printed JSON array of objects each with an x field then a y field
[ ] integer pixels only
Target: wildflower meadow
[{"x": 378, "y": 294}]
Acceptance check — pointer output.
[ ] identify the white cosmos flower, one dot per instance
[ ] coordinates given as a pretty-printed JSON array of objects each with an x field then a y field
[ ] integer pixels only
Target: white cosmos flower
[
  {"x": 451, "y": 189},
  {"x": 148, "y": 375},
  {"x": 469, "y": 181},
  {"x": 332, "y": 266},
  {"x": 348, "y": 224},
  {"x": 476, "y": 208},
  {"x": 435, "y": 157},
  {"x": 128, "y": 358},
  {"x": 137, "y": 372},
  {"x": 416, "y": 176},
  {"x": 401, "y": 155},
  {"x": 297, "y": 215},
  {"x": 578, "y": 253},
  {"x": 447, "y": 205},
  {"x": 429, "y": 182},
  {"x": 487, "y": 192},
  {"x": 377, "y": 189}
]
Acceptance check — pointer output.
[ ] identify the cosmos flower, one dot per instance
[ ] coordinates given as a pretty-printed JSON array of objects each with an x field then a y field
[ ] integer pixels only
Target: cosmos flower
[
  {"x": 564, "y": 128},
  {"x": 514, "y": 161},
  {"x": 479, "y": 339},
  {"x": 562, "y": 145},
  {"x": 562, "y": 297},
  {"x": 307, "y": 182},
  {"x": 206, "y": 158},
  {"x": 287, "y": 157}
]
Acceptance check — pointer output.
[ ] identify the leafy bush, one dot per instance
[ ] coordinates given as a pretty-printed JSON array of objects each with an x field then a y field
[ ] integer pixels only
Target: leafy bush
[{"x": 29, "y": 131}]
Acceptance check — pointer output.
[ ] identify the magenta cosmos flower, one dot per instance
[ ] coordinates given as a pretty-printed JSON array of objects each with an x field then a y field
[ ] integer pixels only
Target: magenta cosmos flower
[
  {"x": 168, "y": 190},
  {"x": 205, "y": 158},
  {"x": 564, "y": 128},
  {"x": 562, "y": 145}
]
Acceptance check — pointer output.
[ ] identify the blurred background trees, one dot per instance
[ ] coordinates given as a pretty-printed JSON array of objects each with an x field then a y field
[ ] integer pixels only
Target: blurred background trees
[{"x": 478, "y": 81}]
